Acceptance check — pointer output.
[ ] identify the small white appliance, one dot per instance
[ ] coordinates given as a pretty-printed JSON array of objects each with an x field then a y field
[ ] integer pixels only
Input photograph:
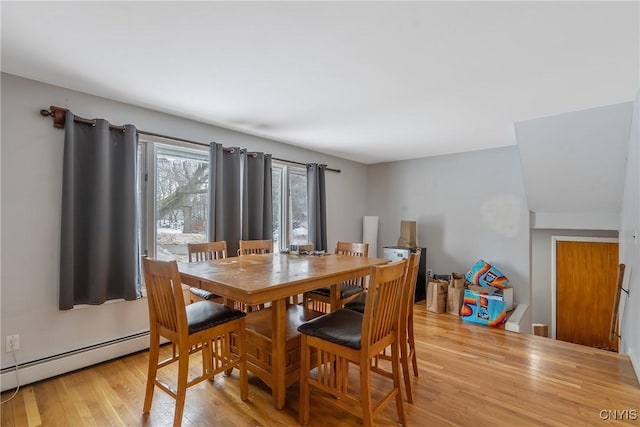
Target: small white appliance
[{"x": 396, "y": 253}]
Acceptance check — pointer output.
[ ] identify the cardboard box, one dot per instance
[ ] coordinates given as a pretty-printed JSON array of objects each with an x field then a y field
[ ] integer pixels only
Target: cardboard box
[
  {"x": 407, "y": 234},
  {"x": 483, "y": 308},
  {"x": 484, "y": 274},
  {"x": 506, "y": 294}
]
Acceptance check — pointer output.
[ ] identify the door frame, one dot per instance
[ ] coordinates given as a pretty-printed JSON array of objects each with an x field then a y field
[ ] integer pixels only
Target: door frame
[{"x": 554, "y": 240}]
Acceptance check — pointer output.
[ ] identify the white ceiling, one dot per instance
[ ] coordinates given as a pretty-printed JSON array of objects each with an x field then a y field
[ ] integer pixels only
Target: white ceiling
[{"x": 370, "y": 82}]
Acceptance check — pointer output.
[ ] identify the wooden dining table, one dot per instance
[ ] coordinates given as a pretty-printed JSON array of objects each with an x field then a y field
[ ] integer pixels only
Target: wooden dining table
[{"x": 274, "y": 278}]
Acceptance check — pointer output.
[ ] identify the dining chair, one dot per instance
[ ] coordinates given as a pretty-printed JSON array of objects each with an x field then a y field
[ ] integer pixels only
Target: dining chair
[
  {"x": 320, "y": 299},
  {"x": 207, "y": 251},
  {"x": 251, "y": 247},
  {"x": 204, "y": 326},
  {"x": 346, "y": 337},
  {"x": 199, "y": 252},
  {"x": 408, "y": 345}
]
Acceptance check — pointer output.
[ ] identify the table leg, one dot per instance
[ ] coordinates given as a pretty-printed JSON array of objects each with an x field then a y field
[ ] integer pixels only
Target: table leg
[
  {"x": 279, "y": 352},
  {"x": 335, "y": 297}
]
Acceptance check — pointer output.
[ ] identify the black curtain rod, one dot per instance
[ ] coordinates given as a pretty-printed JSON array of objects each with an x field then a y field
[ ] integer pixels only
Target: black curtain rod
[{"x": 59, "y": 114}]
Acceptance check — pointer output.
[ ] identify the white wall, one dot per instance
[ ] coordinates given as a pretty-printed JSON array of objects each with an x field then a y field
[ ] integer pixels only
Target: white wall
[
  {"x": 571, "y": 159},
  {"x": 30, "y": 202},
  {"x": 541, "y": 268},
  {"x": 467, "y": 206},
  {"x": 630, "y": 246}
]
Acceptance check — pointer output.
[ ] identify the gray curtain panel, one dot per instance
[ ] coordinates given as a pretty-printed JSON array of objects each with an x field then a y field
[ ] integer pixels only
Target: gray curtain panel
[
  {"x": 225, "y": 196},
  {"x": 317, "y": 205},
  {"x": 240, "y": 205},
  {"x": 257, "y": 203},
  {"x": 99, "y": 246}
]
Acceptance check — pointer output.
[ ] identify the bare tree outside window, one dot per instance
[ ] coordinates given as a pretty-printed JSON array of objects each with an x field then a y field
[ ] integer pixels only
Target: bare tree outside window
[{"x": 182, "y": 178}]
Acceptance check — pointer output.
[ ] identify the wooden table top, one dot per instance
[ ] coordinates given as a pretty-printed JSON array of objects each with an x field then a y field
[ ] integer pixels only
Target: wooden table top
[{"x": 254, "y": 279}]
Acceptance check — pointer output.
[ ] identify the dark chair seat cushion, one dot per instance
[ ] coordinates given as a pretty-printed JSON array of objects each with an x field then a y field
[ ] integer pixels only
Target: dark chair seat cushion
[
  {"x": 357, "y": 304},
  {"x": 203, "y": 315},
  {"x": 343, "y": 327},
  {"x": 206, "y": 295},
  {"x": 345, "y": 291}
]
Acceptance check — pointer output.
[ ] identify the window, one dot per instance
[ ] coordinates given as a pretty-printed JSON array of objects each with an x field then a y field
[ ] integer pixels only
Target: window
[
  {"x": 174, "y": 204},
  {"x": 173, "y": 194},
  {"x": 289, "y": 192}
]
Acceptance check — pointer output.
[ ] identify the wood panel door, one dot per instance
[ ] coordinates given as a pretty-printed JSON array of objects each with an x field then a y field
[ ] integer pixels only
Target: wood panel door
[{"x": 585, "y": 289}]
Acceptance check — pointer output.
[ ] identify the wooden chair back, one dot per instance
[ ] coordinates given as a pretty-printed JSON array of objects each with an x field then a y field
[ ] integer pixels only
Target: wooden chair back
[
  {"x": 408, "y": 293},
  {"x": 349, "y": 289},
  {"x": 383, "y": 306},
  {"x": 207, "y": 251},
  {"x": 353, "y": 249},
  {"x": 250, "y": 247},
  {"x": 167, "y": 312},
  {"x": 407, "y": 340}
]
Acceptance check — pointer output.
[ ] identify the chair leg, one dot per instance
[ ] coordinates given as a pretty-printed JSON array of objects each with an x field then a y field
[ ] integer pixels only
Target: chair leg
[
  {"x": 183, "y": 373},
  {"x": 412, "y": 346},
  {"x": 365, "y": 393},
  {"x": 207, "y": 359},
  {"x": 395, "y": 368},
  {"x": 242, "y": 346},
  {"x": 414, "y": 361},
  {"x": 404, "y": 359},
  {"x": 154, "y": 355},
  {"x": 305, "y": 367}
]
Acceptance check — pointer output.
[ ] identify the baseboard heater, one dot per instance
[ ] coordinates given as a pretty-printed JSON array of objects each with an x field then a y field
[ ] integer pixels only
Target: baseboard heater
[{"x": 47, "y": 367}]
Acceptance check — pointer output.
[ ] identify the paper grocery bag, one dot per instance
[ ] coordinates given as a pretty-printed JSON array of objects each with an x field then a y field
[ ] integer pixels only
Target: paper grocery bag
[
  {"x": 437, "y": 296},
  {"x": 457, "y": 280},
  {"x": 455, "y": 294}
]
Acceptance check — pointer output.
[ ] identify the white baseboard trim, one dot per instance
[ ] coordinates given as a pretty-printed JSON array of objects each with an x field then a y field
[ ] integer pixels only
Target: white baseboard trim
[{"x": 51, "y": 366}]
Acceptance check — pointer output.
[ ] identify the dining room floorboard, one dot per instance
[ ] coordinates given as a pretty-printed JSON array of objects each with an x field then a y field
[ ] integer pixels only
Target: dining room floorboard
[{"x": 469, "y": 376}]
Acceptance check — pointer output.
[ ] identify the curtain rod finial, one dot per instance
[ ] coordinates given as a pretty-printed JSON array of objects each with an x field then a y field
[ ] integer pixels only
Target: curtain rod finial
[{"x": 58, "y": 115}]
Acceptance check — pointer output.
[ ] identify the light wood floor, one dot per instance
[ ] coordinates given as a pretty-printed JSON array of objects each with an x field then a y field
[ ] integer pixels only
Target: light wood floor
[{"x": 469, "y": 376}]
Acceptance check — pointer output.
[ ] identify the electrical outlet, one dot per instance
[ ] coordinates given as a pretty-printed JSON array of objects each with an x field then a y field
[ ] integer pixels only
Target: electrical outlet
[
  {"x": 13, "y": 342},
  {"x": 429, "y": 272}
]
